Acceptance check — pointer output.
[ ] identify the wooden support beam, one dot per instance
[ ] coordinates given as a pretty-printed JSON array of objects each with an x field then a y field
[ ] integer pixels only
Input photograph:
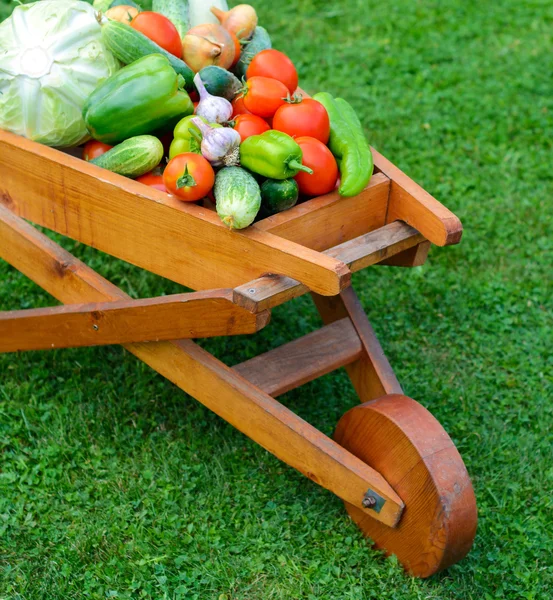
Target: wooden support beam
[
  {"x": 413, "y": 257},
  {"x": 305, "y": 359}
]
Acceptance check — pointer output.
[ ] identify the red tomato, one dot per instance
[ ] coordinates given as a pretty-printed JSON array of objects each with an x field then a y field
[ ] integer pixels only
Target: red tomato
[
  {"x": 276, "y": 65},
  {"x": 318, "y": 157},
  {"x": 153, "y": 180},
  {"x": 248, "y": 125},
  {"x": 94, "y": 149},
  {"x": 194, "y": 96},
  {"x": 237, "y": 48},
  {"x": 238, "y": 107},
  {"x": 305, "y": 118},
  {"x": 160, "y": 30},
  {"x": 264, "y": 96},
  {"x": 189, "y": 177}
]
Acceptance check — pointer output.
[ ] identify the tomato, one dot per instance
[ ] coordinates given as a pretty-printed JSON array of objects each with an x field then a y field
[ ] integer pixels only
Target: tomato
[
  {"x": 274, "y": 64},
  {"x": 238, "y": 107},
  {"x": 189, "y": 177},
  {"x": 318, "y": 157},
  {"x": 153, "y": 179},
  {"x": 248, "y": 125},
  {"x": 305, "y": 118},
  {"x": 160, "y": 30},
  {"x": 194, "y": 96},
  {"x": 237, "y": 48},
  {"x": 263, "y": 96},
  {"x": 94, "y": 149}
]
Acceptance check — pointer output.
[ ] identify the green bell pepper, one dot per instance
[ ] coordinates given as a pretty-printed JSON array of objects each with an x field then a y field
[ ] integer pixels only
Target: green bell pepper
[
  {"x": 187, "y": 137},
  {"x": 141, "y": 98},
  {"x": 348, "y": 145},
  {"x": 273, "y": 154}
]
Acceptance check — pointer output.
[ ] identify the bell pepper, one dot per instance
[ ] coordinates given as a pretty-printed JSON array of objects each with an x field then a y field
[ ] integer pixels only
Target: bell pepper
[
  {"x": 348, "y": 145},
  {"x": 273, "y": 154},
  {"x": 187, "y": 137},
  {"x": 141, "y": 98}
]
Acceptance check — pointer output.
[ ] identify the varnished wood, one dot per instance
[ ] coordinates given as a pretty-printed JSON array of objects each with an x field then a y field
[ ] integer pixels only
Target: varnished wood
[
  {"x": 125, "y": 321},
  {"x": 402, "y": 440},
  {"x": 222, "y": 390},
  {"x": 270, "y": 291},
  {"x": 412, "y": 257},
  {"x": 146, "y": 227},
  {"x": 314, "y": 355}
]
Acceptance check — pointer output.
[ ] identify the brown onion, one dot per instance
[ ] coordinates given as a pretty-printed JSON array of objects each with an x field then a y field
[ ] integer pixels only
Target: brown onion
[
  {"x": 208, "y": 44},
  {"x": 240, "y": 20}
]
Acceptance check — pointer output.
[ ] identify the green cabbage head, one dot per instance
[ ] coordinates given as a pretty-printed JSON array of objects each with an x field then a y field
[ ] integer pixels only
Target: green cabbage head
[{"x": 51, "y": 59}]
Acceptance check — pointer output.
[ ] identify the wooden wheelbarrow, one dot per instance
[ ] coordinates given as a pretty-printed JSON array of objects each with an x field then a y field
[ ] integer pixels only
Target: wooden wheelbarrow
[{"x": 397, "y": 470}]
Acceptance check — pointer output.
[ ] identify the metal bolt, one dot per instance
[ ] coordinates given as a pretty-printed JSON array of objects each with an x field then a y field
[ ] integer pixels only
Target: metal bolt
[
  {"x": 251, "y": 291},
  {"x": 369, "y": 502},
  {"x": 95, "y": 327}
]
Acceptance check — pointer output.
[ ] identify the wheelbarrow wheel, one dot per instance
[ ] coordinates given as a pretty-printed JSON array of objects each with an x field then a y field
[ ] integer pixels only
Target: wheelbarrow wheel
[{"x": 400, "y": 439}]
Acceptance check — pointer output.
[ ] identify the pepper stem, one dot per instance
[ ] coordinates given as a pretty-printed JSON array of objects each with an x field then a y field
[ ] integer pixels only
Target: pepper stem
[
  {"x": 294, "y": 164},
  {"x": 185, "y": 180},
  {"x": 197, "y": 136}
]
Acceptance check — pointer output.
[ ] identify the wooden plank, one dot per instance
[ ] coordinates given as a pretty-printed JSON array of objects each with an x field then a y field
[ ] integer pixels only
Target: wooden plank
[
  {"x": 312, "y": 356},
  {"x": 410, "y": 203},
  {"x": 329, "y": 220},
  {"x": 412, "y": 257},
  {"x": 223, "y": 391},
  {"x": 371, "y": 376},
  {"x": 178, "y": 240},
  {"x": 270, "y": 291},
  {"x": 125, "y": 321}
]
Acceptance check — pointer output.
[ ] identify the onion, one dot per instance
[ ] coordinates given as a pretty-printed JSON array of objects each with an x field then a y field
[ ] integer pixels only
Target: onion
[
  {"x": 208, "y": 44},
  {"x": 240, "y": 20}
]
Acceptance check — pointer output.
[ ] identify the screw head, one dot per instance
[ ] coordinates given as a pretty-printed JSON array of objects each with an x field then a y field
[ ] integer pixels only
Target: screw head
[
  {"x": 95, "y": 327},
  {"x": 369, "y": 502}
]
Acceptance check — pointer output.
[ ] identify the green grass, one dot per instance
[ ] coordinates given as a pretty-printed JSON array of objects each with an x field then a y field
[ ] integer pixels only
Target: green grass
[{"x": 114, "y": 484}]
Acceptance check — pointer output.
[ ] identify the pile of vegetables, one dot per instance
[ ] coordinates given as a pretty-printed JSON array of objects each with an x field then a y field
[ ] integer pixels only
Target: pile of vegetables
[{"x": 189, "y": 98}]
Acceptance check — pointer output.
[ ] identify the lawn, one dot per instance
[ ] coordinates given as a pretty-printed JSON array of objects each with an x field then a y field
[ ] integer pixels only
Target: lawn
[{"x": 115, "y": 484}]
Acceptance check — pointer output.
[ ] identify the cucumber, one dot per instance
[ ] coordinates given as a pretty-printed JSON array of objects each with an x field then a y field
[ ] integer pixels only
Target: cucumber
[
  {"x": 260, "y": 41},
  {"x": 133, "y": 157},
  {"x": 237, "y": 197},
  {"x": 176, "y": 11},
  {"x": 278, "y": 195},
  {"x": 128, "y": 44},
  {"x": 220, "y": 82},
  {"x": 102, "y": 5},
  {"x": 125, "y": 3}
]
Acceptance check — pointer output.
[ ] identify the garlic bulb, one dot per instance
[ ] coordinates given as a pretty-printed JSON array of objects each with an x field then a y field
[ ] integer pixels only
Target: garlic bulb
[
  {"x": 213, "y": 109},
  {"x": 220, "y": 146}
]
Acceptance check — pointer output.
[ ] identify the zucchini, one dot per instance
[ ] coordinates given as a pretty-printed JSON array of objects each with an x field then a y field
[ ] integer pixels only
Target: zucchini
[
  {"x": 101, "y": 5},
  {"x": 176, "y": 11},
  {"x": 237, "y": 197},
  {"x": 128, "y": 44},
  {"x": 133, "y": 157},
  {"x": 260, "y": 41},
  {"x": 278, "y": 195},
  {"x": 125, "y": 3},
  {"x": 220, "y": 82},
  {"x": 199, "y": 11}
]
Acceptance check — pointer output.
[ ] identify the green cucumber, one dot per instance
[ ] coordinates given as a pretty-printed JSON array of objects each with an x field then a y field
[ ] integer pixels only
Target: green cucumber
[
  {"x": 237, "y": 197},
  {"x": 133, "y": 157},
  {"x": 128, "y": 44},
  {"x": 125, "y": 3},
  {"x": 220, "y": 82},
  {"x": 278, "y": 195},
  {"x": 102, "y": 5},
  {"x": 260, "y": 41},
  {"x": 176, "y": 11}
]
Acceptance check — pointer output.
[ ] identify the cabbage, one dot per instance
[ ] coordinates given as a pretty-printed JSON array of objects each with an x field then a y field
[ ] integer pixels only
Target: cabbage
[{"x": 51, "y": 59}]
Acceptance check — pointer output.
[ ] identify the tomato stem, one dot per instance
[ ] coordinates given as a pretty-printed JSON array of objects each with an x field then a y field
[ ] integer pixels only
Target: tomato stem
[{"x": 185, "y": 180}]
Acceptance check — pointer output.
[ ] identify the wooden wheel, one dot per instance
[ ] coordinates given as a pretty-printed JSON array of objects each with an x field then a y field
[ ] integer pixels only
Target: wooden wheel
[{"x": 401, "y": 440}]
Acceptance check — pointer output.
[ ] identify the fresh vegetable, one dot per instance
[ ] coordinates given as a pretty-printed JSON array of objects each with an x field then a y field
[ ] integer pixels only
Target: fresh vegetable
[
  {"x": 264, "y": 96},
  {"x": 219, "y": 145},
  {"x": 189, "y": 177},
  {"x": 238, "y": 107},
  {"x": 122, "y": 13},
  {"x": 272, "y": 154},
  {"x": 276, "y": 65},
  {"x": 213, "y": 108},
  {"x": 248, "y": 125},
  {"x": 51, "y": 59},
  {"x": 93, "y": 149},
  {"x": 160, "y": 30},
  {"x": 278, "y": 195},
  {"x": 130, "y": 3},
  {"x": 348, "y": 144},
  {"x": 102, "y": 5},
  {"x": 240, "y": 20},
  {"x": 208, "y": 44},
  {"x": 128, "y": 45},
  {"x": 176, "y": 11},
  {"x": 153, "y": 179},
  {"x": 303, "y": 117},
  {"x": 141, "y": 98},
  {"x": 237, "y": 197},
  {"x": 200, "y": 13},
  {"x": 260, "y": 41},
  {"x": 133, "y": 157},
  {"x": 237, "y": 49},
  {"x": 319, "y": 158},
  {"x": 187, "y": 137},
  {"x": 220, "y": 82}
]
